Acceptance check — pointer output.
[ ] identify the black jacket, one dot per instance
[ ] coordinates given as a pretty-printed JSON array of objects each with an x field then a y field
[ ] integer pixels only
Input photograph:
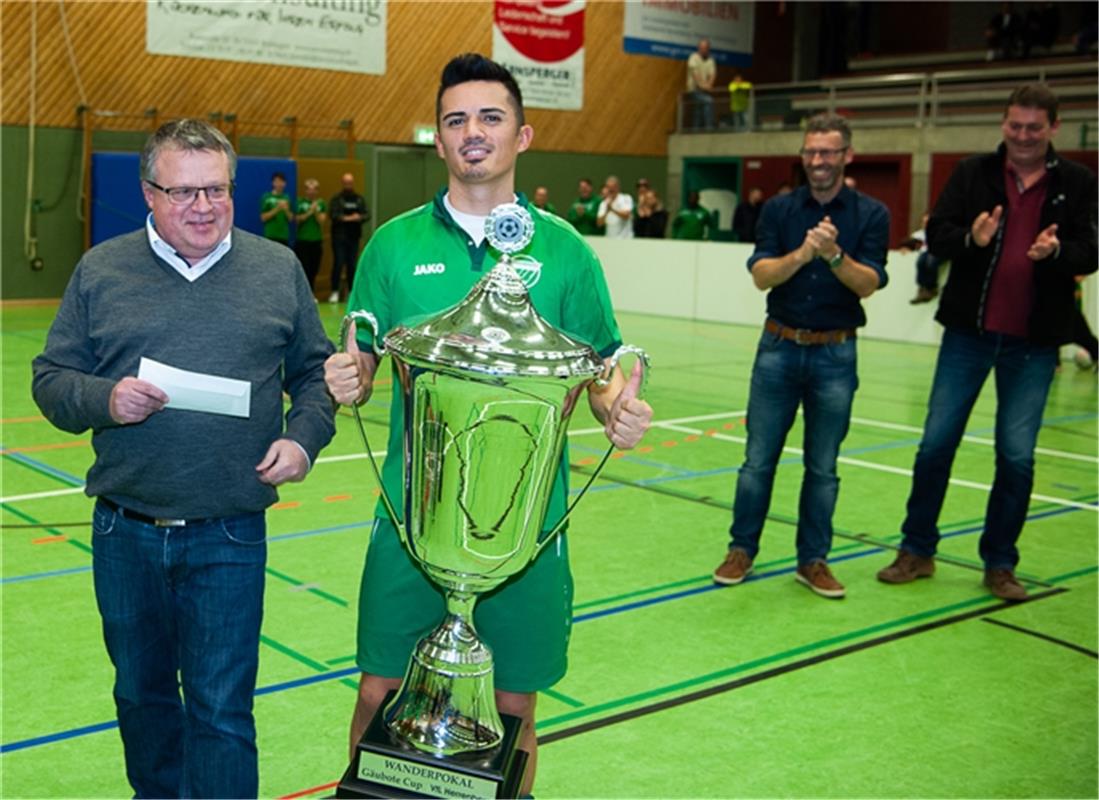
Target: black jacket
[{"x": 978, "y": 185}]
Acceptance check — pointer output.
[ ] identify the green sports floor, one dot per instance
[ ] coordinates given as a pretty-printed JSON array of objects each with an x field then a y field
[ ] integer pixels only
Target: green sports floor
[{"x": 676, "y": 687}]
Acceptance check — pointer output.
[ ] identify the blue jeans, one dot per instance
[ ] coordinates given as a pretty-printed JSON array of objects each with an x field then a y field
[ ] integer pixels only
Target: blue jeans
[
  {"x": 823, "y": 380},
  {"x": 702, "y": 110},
  {"x": 1023, "y": 376},
  {"x": 181, "y": 608}
]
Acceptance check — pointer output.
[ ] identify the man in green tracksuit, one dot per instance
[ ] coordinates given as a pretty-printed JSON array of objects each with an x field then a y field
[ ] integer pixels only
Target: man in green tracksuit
[
  {"x": 274, "y": 211},
  {"x": 584, "y": 210},
  {"x": 693, "y": 221},
  {"x": 420, "y": 263}
]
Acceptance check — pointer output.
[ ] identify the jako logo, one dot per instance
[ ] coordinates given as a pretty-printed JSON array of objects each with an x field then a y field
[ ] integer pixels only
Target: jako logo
[{"x": 429, "y": 269}]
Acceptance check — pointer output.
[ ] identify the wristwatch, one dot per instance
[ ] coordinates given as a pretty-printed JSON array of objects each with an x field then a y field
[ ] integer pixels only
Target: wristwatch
[{"x": 836, "y": 260}]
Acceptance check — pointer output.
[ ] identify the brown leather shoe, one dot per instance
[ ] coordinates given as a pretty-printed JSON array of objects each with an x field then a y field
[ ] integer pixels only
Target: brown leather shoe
[
  {"x": 1002, "y": 583},
  {"x": 734, "y": 568},
  {"x": 820, "y": 579},
  {"x": 924, "y": 296},
  {"x": 906, "y": 568}
]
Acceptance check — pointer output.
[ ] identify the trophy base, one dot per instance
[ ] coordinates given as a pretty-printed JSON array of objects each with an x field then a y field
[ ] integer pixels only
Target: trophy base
[{"x": 384, "y": 767}]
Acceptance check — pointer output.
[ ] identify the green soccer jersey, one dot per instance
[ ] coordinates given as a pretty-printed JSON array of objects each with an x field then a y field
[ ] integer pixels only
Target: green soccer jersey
[
  {"x": 278, "y": 227},
  {"x": 422, "y": 262},
  {"x": 582, "y": 214},
  {"x": 691, "y": 223},
  {"x": 309, "y": 229}
]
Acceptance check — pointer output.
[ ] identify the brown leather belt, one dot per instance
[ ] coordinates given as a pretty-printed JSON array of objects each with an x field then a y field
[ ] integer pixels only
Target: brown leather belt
[{"x": 807, "y": 337}]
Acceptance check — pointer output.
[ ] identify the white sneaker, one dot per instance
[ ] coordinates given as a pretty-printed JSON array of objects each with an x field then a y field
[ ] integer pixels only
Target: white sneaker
[{"x": 334, "y": 297}]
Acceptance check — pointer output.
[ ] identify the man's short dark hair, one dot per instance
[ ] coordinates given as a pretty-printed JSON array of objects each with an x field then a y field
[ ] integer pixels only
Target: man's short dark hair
[
  {"x": 1034, "y": 95},
  {"x": 278, "y": 175},
  {"x": 828, "y": 123},
  {"x": 475, "y": 67},
  {"x": 185, "y": 134},
  {"x": 587, "y": 181}
]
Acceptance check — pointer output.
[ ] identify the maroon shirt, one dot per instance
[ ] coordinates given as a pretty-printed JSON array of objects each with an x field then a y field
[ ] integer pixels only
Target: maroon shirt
[{"x": 1011, "y": 293}]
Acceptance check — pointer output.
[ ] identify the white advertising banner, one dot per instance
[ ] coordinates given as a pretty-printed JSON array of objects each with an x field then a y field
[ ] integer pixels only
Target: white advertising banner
[
  {"x": 672, "y": 29},
  {"x": 542, "y": 43},
  {"x": 345, "y": 35}
]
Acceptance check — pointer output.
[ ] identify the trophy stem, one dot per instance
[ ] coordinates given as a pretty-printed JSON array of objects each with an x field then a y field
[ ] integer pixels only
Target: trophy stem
[{"x": 447, "y": 704}]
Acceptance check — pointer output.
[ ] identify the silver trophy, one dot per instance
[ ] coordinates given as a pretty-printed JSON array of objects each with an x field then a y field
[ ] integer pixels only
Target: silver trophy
[{"x": 488, "y": 389}]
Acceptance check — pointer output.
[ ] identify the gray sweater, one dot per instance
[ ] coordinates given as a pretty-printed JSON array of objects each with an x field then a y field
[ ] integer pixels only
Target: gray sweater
[{"x": 250, "y": 317}]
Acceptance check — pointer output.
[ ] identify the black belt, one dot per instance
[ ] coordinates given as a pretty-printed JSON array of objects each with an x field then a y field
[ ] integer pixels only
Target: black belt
[
  {"x": 807, "y": 337},
  {"x": 160, "y": 522}
]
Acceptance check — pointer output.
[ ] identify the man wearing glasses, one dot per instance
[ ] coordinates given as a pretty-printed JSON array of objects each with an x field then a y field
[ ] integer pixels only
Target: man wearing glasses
[
  {"x": 178, "y": 529},
  {"x": 820, "y": 249}
]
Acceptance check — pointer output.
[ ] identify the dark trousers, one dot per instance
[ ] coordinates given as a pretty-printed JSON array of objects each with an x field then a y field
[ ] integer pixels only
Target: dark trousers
[
  {"x": 927, "y": 270},
  {"x": 1082, "y": 335},
  {"x": 345, "y": 255},
  {"x": 309, "y": 254}
]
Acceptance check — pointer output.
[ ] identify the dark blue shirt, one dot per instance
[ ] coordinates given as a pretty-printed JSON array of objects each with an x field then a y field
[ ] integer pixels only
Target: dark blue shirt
[{"x": 814, "y": 298}]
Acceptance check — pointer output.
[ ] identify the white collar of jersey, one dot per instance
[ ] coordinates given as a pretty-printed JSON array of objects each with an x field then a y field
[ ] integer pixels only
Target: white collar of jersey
[
  {"x": 179, "y": 264},
  {"x": 472, "y": 224}
]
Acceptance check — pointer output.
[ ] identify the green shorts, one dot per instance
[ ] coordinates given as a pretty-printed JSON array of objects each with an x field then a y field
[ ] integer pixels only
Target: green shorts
[{"x": 526, "y": 621}]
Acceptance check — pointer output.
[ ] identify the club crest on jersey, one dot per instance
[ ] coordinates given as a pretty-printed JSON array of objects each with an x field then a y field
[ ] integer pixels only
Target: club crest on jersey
[
  {"x": 429, "y": 269},
  {"x": 529, "y": 269}
]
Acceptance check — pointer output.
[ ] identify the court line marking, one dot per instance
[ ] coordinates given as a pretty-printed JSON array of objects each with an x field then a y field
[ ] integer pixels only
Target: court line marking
[
  {"x": 858, "y": 462},
  {"x": 1043, "y": 636},
  {"x": 721, "y": 688},
  {"x": 1045, "y": 451}
]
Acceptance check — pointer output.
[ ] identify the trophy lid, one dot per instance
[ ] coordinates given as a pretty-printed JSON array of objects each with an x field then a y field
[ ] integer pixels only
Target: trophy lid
[{"x": 496, "y": 330}]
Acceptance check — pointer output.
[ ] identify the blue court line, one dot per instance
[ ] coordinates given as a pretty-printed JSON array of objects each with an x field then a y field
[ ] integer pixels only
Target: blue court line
[
  {"x": 786, "y": 571},
  {"x": 42, "y": 466},
  {"x": 99, "y": 727},
  {"x": 343, "y": 673},
  {"x": 34, "y": 576}
]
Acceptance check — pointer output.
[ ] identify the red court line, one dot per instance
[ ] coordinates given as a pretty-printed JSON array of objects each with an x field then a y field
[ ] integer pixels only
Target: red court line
[
  {"x": 287, "y": 504},
  {"x": 11, "y": 420},
  {"x": 34, "y": 448},
  {"x": 314, "y": 790},
  {"x": 336, "y": 498},
  {"x": 49, "y": 539}
]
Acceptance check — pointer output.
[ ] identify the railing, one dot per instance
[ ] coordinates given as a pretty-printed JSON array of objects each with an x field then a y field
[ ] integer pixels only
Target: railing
[{"x": 918, "y": 99}]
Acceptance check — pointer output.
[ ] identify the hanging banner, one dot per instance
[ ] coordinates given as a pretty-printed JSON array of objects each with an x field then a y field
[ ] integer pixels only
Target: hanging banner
[
  {"x": 345, "y": 35},
  {"x": 542, "y": 43},
  {"x": 672, "y": 29}
]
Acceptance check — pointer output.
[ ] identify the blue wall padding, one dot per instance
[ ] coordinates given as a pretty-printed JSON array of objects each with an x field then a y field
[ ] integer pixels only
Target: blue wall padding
[{"x": 118, "y": 205}]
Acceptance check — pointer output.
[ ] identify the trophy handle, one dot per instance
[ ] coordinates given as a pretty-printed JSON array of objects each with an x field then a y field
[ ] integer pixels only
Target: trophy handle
[
  {"x": 603, "y": 380},
  {"x": 345, "y": 330}
]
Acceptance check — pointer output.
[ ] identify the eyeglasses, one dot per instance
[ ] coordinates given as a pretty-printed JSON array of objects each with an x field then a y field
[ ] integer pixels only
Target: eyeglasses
[
  {"x": 185, "y": 195},
  {"x": 827, "y": 154}
]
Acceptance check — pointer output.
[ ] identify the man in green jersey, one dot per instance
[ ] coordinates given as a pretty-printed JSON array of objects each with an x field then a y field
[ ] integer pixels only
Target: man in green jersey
[
  {"x": 274, "y": 211},
  {"x": 426, "y": 260},
  {"x": 541, "y": 200},
  {"x": 584, "y": 210},
  {"x": 311, "y": 216},
  {"x": 693, "y": 221}
]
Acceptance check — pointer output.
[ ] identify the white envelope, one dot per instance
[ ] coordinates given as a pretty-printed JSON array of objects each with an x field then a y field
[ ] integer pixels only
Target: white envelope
[{"x": 197, "y": 391}]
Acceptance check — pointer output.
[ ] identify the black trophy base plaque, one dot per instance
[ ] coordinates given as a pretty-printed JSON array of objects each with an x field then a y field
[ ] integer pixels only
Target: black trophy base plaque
[{"x": 386, "y": 768}]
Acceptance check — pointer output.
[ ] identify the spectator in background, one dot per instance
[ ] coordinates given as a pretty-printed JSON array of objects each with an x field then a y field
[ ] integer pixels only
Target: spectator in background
[
  {"x": 585, "y": 209},
  {"x": 1017, "y": 224},
  {"x": 692, "y": 222},
  {"x": 541, "y": 200},
  {"x": 349, "y": 212},
  {"x": 747, "y": 215},
  {"x": 783, "y": 188},
  {"x": 1004, "y": 33},
  {"x": 850, "y": 182},
  {"x": 740, "y": 96},
  {"x": 311, "y": 216},
  {"x": 1042, "y": 26},
  {"x": 701, "y": 72},
  {"x": 274, "y": 211},
  {"x": 615, "y": 210},
  {"x": 651, "y": 218},
  {"x": 927, "y": 264}
]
